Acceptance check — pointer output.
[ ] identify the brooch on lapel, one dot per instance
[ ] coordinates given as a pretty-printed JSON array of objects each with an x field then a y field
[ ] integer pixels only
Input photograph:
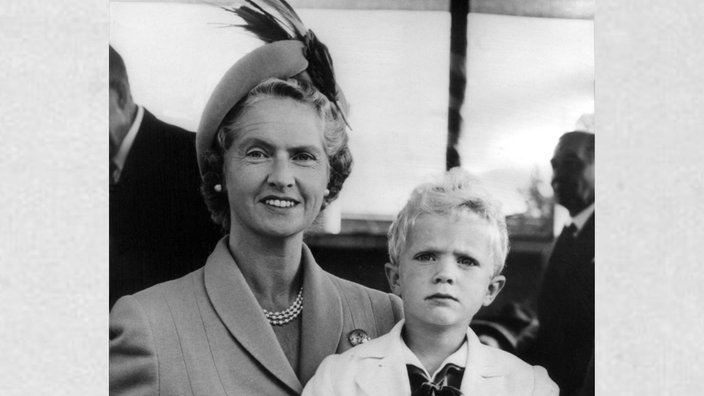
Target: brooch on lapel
[{"x": 358, "y": 336}]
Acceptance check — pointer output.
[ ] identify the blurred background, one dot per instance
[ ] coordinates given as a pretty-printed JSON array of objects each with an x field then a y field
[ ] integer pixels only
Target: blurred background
[{"x": 529, "y": 70}]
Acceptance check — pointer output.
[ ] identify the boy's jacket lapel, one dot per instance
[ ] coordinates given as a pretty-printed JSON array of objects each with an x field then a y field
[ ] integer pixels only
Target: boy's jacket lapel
[
  {"x": 383, "y": 371},
  {"x": 483, "y": 373}
]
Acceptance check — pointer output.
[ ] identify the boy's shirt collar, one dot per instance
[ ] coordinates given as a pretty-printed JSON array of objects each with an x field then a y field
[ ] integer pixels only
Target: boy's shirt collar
[{"x": 459, "y": 357}]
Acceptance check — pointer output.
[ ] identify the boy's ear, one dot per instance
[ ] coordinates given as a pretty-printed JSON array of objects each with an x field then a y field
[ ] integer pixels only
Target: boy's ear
[
  {"x": 392, "y": 275},
  {"x": 497, "y": 283}
]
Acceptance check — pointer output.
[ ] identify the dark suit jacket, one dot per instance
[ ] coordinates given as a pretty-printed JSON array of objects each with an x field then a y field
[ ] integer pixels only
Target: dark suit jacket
[
  {"x": 565, "y": 341},
  {"x": 160, "y": 228},
  {"x": 205, "y": 334}
]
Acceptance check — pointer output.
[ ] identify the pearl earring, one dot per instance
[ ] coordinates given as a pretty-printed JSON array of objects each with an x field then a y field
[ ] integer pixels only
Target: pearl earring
[
  {"x": 218, "y": 187},
  {"x": 326, "y": 192}
]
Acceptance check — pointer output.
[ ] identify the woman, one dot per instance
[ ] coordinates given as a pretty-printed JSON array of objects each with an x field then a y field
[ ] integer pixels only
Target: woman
[{"x": 261, "y": 315}]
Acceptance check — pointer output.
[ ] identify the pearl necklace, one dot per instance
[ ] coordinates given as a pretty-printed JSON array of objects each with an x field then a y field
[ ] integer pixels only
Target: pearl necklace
[{"x": 283, "y": 317}]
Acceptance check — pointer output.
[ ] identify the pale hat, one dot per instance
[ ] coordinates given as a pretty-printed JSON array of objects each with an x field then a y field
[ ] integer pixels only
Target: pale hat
[
  {"x": 281, "y": 59},
  {"x": 292, "y": 50}
]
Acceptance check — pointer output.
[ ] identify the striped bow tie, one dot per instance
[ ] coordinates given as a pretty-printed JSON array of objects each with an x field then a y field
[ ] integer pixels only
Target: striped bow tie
[{"x": 447, "y": 382}]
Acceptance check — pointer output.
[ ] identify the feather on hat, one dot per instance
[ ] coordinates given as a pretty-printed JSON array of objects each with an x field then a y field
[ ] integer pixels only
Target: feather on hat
[{"x": 291, "y": 50}]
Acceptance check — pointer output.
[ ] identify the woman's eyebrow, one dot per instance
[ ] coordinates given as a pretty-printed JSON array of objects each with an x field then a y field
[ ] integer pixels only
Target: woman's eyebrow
[
  {"x": 307, "y": 147},
  {"x": 267, "y": 144},
  {"x": 248, "y": 141}
]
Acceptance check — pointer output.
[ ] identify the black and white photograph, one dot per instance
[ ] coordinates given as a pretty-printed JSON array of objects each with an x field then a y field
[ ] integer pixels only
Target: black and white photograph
[
  {"x": 350, "y": 197},
  {"x": 289, "y": 181}
]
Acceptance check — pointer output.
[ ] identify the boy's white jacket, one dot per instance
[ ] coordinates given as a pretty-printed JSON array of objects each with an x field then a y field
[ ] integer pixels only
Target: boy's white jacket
[{"x": 378, "y": 368}]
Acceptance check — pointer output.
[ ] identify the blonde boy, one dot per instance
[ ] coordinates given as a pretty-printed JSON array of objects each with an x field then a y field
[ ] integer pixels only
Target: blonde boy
[{"x": 447, "y": 249}]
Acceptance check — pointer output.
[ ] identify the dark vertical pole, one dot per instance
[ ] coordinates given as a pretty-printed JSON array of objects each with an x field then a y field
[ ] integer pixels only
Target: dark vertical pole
[{"x": 458, "y": 78}]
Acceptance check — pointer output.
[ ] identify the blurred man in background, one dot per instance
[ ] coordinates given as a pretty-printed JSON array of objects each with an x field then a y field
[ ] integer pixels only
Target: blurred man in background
[
  {"x": 159, "y": 226},
  {"x": 565, "y": 340}
]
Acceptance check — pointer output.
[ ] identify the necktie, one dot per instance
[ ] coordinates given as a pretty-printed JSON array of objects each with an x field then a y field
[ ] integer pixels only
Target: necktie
[
  {"x": 571, "y": 230},
  {"x": 447, "y": 382},
  {"x": 563, "y": 249},
  {"x": 567, "y": 235}
]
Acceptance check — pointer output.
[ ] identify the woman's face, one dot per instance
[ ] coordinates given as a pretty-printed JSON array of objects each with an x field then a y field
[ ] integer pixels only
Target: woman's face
[{"x": 276, "y": 169}]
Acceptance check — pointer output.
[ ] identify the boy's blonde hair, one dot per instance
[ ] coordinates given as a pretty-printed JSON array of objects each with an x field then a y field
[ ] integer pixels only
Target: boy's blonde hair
[{"x": 457, "y": 193}]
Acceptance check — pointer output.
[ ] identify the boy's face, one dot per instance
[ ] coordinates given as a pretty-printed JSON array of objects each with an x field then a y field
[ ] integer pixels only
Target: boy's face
[{"x": 445, "y": 273}]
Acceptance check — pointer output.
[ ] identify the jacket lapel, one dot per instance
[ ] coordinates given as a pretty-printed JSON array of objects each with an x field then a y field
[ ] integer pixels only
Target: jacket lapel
[
  {"x": 482, "y": 373},
  {"x": 238, "y": 309},
  {"x": 382, "y": 369},
  {"x": 322, "y": 316},
  {"x": 144, "y": 153}
]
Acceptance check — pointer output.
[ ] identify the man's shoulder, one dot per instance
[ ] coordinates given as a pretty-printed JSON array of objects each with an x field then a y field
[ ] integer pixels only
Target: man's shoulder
[
  {"x": 170, "y": 147},
  {"x": 174, "y": 133}
]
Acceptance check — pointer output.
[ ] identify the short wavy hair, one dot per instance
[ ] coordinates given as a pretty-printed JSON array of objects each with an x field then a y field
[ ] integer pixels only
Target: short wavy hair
[
  {"x": 457, "y": 193},
  {"x": 335, "y": 141}
]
